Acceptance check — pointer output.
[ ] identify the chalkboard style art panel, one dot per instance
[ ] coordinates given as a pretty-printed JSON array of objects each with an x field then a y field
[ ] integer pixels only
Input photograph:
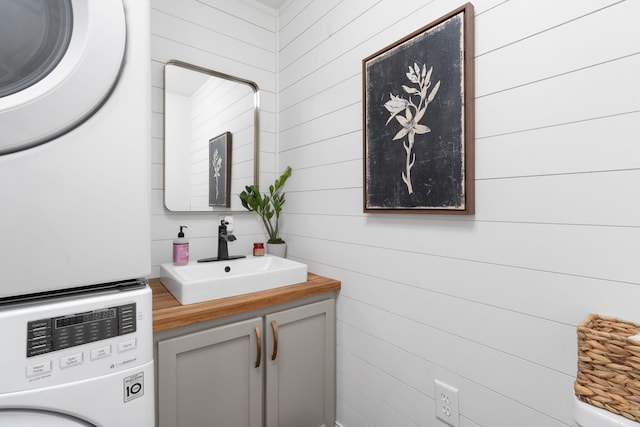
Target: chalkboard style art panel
[
  {"x": 220, "y": 170},
  {"x": 418, "y": 120}
]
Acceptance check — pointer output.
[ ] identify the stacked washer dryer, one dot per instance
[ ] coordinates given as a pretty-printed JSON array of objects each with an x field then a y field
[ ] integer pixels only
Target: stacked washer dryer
[
  {"x": 83, "y": 360},
  {"x": 74, "y": 215}
]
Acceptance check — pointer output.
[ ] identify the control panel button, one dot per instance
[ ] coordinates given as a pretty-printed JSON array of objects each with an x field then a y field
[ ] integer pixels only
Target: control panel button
[
  {"x": 38, "y": 337},
  {"x": 71, "y": 360},
  {"x": 127, "y": 345},
  {"x": 39, "y": 369},
  {"x": 127, "y": 315},
  {"x": 99, "y": 353}
]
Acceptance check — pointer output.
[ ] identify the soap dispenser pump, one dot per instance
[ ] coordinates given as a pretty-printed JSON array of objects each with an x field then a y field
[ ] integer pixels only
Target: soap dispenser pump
[{"x": 181, "y": 248}]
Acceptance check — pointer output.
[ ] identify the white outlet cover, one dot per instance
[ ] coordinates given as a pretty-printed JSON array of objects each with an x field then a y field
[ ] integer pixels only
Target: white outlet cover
[
  {"x": 447, "y": 406},
  {"x": 229, "y": 219}
]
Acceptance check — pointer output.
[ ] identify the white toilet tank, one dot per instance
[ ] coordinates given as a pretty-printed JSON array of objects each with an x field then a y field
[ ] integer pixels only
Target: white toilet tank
[{"x": 586, "y": 415}]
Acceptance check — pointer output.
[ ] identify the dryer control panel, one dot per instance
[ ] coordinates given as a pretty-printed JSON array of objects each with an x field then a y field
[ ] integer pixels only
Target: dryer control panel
[
  {"x": 61, "y": 332},
  {"x": 75, "y": 335}
]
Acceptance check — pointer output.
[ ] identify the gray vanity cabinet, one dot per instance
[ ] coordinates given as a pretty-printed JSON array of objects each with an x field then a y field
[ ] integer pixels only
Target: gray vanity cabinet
[
  {"x": 300, "y": 366},
  {"x": 209, "y": 378},
  {"x": 275, "y": 370}
]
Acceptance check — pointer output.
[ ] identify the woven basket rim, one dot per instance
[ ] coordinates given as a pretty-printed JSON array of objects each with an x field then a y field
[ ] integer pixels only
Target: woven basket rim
[
  {"x": 587, "y": 323},
  {"x": 608, "y": 365}
]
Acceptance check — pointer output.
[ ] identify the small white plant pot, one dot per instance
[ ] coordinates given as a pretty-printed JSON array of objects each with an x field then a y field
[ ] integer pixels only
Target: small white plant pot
[{"x": 277, "y": 249}]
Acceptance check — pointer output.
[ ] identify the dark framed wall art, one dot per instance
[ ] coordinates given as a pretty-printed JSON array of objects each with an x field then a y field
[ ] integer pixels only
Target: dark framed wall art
[
  {"x": 418, "y": 120},
  {"x": 220, "y": 170}
]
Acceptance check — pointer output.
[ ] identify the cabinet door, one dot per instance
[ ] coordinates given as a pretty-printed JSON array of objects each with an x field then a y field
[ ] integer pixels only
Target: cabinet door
[
  {"x": 300, "y": 366},
  {"x": 210, "y": 378}
]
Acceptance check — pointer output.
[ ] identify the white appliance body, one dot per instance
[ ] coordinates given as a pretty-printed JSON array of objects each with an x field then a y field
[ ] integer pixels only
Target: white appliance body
[
  {"x": 84, "y": 360},
  {"x": 74, "y": 157}
]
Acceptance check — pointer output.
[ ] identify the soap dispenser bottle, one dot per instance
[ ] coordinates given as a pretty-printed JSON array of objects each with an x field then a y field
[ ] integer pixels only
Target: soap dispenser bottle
[{"x": 181, "y": 248}]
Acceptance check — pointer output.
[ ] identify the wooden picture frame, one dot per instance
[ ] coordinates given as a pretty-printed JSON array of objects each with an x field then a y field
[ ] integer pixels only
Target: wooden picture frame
[
  {"x": 220, "y": 170},
  {"x": 418, "y": 120}
]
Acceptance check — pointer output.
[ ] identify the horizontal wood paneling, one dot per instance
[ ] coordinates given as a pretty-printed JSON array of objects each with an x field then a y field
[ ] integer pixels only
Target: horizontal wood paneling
[
  {"x": 543, "y": 294},
  {"x": 547, "y": 54},
  {"x": 336, "y": 59},
  {"x": 516, "y": 21},
  {"x": 164, "y": 50},
  {"x": 481, "y": 364},
  {"x": 503, "y": 330},
  {"x": 592, "y": 196},
  {"x": 589, "y": 145},
  {"x": 564, "y": 249},
  {"x": 317, "y": 104},
  {"x": 374, "y": 411},
  {"x": 339, "y": 122},
  {"x": 488, "y": 303},
  {"x": 248, "y": 11},
  {"x": 388, "y": 391},
  {"x": 565, "y": 99},
  {"x": 237, "y": 38},
  {"x": 289, "y": 10},
  {"x": 173, "y": 28},
  {"x": 414, "y": 371},
  {"x": 292, "y": 49},
  {"x": 240, "y": 21}
]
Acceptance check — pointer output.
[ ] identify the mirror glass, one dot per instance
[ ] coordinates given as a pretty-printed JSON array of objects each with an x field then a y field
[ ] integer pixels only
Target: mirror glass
[{"x": 210, "y": 137}]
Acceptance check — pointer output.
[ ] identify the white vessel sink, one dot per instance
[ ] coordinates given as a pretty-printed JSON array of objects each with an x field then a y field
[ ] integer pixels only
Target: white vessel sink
[{"x": 205, "y": 281}]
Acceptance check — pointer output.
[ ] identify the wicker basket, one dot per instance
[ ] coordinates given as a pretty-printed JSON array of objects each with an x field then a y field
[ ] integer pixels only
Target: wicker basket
[{"x": 609, "y": 365}]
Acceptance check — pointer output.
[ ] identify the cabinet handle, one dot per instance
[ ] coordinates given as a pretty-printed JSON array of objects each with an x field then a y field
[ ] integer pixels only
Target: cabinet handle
[
  {"x": 274, "y": 327},
  {"x": 259, "y": 347}
]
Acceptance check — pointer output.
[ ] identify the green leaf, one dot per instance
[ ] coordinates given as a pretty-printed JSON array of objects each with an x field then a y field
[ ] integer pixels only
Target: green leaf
[{"x": 267, "y": 206}]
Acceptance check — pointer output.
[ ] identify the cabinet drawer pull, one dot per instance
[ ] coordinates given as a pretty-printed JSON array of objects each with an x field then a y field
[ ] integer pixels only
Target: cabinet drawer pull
[
  {"x": 274, "y": 327},
  {"x": 259, "y": 347}
]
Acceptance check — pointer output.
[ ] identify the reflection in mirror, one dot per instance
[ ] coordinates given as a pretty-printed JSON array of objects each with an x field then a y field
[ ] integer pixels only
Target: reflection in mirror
[{"x": 200, "y": 105}]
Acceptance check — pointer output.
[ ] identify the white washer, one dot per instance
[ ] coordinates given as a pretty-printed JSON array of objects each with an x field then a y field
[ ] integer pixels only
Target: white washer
[
  {"x": 586, "y": 415},
  {"x": 82, "y": 360},
  {"x": 74, "y": 143}
]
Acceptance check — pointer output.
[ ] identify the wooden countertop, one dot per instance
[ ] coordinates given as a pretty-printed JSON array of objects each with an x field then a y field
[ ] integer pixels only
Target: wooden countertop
[{"x": 169, "y": 313}]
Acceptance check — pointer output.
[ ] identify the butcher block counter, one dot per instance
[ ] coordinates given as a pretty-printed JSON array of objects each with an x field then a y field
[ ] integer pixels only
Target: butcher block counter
[{"x": 168, "y": 313}]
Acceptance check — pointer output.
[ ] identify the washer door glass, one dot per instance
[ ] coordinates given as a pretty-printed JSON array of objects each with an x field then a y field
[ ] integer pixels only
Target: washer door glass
[
  {"x": 59, "y": 61},
  {"x": 35, "y": 35},
  {"x": 19, "y": 418}
]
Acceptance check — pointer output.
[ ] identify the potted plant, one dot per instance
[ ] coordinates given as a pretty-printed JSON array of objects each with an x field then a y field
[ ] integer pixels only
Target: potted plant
[{"x": 268, "y": 207}]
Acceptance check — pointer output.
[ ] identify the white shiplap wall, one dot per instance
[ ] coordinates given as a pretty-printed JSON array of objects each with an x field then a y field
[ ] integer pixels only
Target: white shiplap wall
[
  {"x": 486, "y": 303},
  {"x": 232, "y": 37}
]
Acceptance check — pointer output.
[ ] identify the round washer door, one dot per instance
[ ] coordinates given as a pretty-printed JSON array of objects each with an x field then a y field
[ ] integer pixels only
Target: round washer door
[
  {"x": 59, "y": 61},
  {"x": 25, "y": 418}
]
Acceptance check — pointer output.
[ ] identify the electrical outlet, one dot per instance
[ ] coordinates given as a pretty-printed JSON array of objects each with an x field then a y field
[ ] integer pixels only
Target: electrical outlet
[
  {"x": 446, "y": 404},
  {"x": 228, "y": 219}
]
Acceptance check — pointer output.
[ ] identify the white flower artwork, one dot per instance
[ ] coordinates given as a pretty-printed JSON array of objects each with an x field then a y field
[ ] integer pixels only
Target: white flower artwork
[
  {"x": 216, "y": 164},
  {"x": 413, "y": 113},
  {"x": 220, "y": 170},
  {"x": 418, "y": 119}
]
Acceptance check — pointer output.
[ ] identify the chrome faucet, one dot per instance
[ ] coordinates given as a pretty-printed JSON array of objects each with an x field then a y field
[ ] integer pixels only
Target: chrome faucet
[{"x": 224, "y": 237}]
